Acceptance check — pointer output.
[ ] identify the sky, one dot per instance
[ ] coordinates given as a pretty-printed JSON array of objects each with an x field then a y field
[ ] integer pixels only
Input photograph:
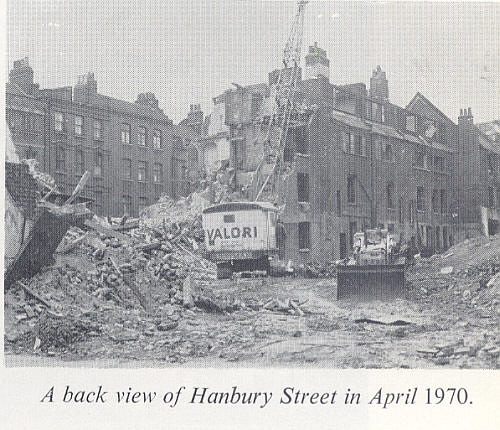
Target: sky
[{"x": 191, "y": 51}]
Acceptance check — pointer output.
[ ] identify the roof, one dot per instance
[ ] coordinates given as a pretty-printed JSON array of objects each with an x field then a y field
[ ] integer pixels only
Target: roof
[
  {"x": 488, "y": 144},
  {"x": 420, "y": 96},
  {"x": 240, "y": 206},
  {"x": 385, "y": 130},
  {"x": 129, "y": 107}
]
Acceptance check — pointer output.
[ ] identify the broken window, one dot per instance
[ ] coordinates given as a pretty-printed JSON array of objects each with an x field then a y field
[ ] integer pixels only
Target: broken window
[
  {"x": 58, "y": 121},
  {"x": 390, "y": 195},
  {"x": 141, "y": 136},
  {"x": 158, "y": 172},
  {"x": 303, "y": 187},
  {"x": 78, "y": 125},
  {"x": 142, "y": 171},
  {"x": 127, "y": 168},
  {"x": 351, "y": 189},
  {"x": 304, "y": 235},
  {"x": 125, "y": 134},
  {"x": 420, "y": 199}
]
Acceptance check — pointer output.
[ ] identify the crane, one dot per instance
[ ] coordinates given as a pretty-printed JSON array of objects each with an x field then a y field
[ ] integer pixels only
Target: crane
[{"x": 283, "y": 103}]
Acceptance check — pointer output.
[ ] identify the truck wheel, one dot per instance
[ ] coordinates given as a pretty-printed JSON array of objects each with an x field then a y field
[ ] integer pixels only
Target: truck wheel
[{"x": 224, "y": 272}]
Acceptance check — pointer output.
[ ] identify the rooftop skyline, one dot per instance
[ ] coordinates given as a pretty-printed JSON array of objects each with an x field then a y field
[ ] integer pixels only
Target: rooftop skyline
[{"x": 191, "y": 51}]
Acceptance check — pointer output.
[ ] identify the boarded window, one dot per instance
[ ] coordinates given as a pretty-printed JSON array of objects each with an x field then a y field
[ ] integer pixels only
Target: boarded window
[
  {"x": 351, "y": 189},
  {"x": 444, "y": 203},
  {"x": 127, "y": 204},
  {"x": 420, "y": 199},
  {"x": 304, "y": 235},
  {"x": 303, "y": 187},
  {"x": 127, "y": 168},
  {"x": 60, "y": 159},
  {"x": 79, "y": 161},
  {"x": 491, "y": 197},
  {"x": 435, "y": 200},
  {"x": 390, "y": 195}
]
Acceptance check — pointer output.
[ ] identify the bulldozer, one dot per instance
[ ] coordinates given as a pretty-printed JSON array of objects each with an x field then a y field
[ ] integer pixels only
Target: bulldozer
[{"x": 375, "y": 270}]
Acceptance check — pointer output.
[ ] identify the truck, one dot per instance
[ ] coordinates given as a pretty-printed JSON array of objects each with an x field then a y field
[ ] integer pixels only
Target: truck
[
  {"x": 375, "y": 270},
  {"x": 240, "y": 236}
]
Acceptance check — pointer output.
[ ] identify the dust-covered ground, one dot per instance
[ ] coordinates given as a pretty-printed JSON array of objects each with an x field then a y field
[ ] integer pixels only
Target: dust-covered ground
[{"x": 448, "y": 318}]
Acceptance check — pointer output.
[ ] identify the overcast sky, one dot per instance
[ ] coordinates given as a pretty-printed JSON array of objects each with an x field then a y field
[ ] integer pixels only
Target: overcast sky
[{"x": 190, "y": 51}]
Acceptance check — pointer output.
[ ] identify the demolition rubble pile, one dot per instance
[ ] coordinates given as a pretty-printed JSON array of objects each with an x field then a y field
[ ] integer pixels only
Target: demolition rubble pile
[{"x": 465, "y": 283}]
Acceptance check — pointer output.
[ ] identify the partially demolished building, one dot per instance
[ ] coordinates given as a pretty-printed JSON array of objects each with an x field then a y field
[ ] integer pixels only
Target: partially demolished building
[{"x": 354, "y": 160}]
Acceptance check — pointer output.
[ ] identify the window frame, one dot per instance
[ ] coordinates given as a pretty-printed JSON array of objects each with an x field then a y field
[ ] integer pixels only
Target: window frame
[{"x": 79, "y": 127}]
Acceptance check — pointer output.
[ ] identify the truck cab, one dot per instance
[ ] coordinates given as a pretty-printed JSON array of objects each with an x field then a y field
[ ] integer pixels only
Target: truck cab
[{"x": 240, "y": 236}]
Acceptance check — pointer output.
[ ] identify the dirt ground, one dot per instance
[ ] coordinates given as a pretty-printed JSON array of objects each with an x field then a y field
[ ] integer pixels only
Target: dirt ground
[{"x": 447, "y": 319}]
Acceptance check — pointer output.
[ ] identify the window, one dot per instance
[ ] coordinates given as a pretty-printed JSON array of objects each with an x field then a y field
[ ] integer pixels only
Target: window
[
  {"x": 158, "y": 172},
  {"x": 97, "y": 129},
  {"x": 339, "y": 204},
  {"x": 435, "y": 201},
  {"x": 376, "y": 112},
  {"x": 401, "y": 210},
  {"x": 127, "y": 204},
  {"x": 388, "y": 152},
  {"x": 411, "y": 212},
  {"x": 420, "y": 159},
  {"x": 444, "y": 203},
  {"x": 142, "y": 204},
  {"x": 377, "y": 148},
  {"x": 59, "y": 121},
  {"x": 125, "y": 134},
  {"x": 353, "y": 143},
  {"x": 382, "y": 109},
  {"x": 60, "y": 158},
  {"x": 411, "y": 123},
  {"x": 98, "y": 163},
  {"x": 491, "y": 197},
  {"x": 439, "y": 163},
  {"x": 368, "y": 110},
  {"x": 127, "y": 168},
  {"x": 157, "y": 139},
  {"x": 31, "y": 154},
  {"x": 79, "y": 161},
  {"x": 346, "y": 142},
  {"x": 420, "y": 199},
  {"x": 390, "y": 195},
  {"x": 303, "y": 187},
  {"x": 141, "y": 136},
  {"x": 142, "y": 171},
  {"x": 491, "y": 164},
  {"x": 302, "y": 144},
  {"x": 351, "y": 190},
  {"x": 78, "y": 125},
  {"x": 304, "y": 235}
]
